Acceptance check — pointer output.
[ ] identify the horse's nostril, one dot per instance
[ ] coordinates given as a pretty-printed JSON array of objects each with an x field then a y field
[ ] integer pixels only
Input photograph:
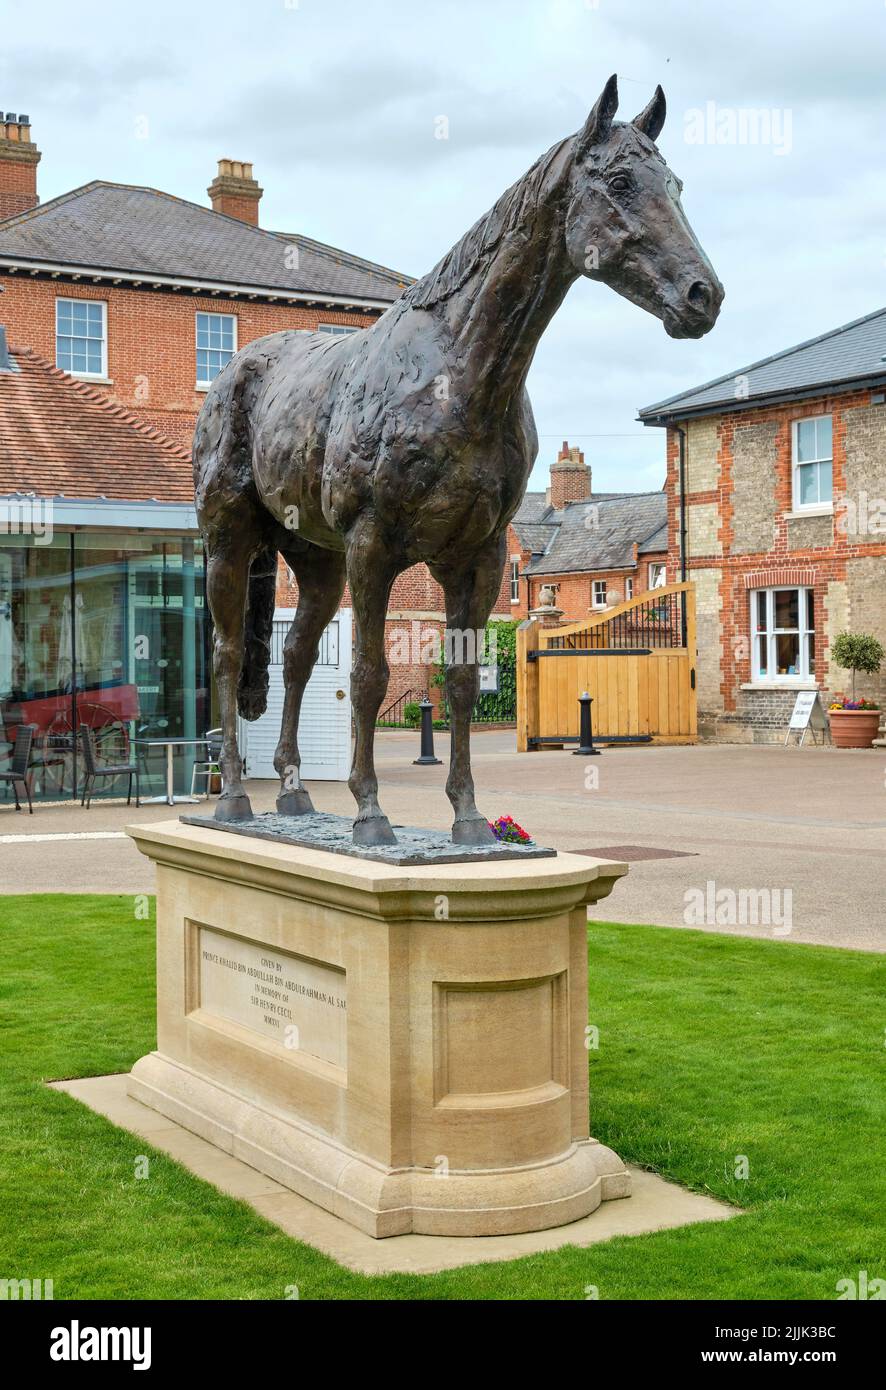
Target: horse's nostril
[{"x": 699, "y": 295}]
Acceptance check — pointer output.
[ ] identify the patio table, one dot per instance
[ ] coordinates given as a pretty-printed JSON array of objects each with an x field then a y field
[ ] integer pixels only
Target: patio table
[{"x": 170, "y": 744}]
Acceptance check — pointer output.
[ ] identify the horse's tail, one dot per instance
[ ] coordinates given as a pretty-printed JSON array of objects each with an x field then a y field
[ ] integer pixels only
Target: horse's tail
[
  {"x": 222, "y": 476},
  {"x": 252, "y": 690}
]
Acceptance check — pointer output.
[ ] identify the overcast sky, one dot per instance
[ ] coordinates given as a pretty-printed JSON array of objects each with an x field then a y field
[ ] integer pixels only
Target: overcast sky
[{"x": 336, "y": 104}]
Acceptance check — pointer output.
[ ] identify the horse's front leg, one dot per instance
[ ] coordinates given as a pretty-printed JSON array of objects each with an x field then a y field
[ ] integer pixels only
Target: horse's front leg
[
  {"x": 371, "y": 573},
  {"x": 470, "y": 595}
]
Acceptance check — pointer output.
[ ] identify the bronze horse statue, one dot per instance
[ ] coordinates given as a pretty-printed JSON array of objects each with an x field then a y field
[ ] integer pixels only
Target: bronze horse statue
[{"x": 348, "y": 457}]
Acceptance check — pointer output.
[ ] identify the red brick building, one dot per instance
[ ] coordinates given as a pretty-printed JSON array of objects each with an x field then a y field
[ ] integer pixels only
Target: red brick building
[
  {"x": 594, "y": 549},
  {"x": 146, "y": 295},
  {"x": 777, "y": 510}
]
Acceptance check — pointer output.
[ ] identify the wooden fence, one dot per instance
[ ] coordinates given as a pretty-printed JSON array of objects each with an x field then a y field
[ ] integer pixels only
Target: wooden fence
[{"x": 636, "y": 661}]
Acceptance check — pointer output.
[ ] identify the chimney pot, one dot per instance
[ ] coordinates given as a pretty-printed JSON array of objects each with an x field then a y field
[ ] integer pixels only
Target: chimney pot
[{"x": 235, "y": 192}]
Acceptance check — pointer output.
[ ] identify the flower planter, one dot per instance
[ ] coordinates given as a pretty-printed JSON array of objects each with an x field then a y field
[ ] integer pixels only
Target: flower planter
[{"x": 854, "y": 728}]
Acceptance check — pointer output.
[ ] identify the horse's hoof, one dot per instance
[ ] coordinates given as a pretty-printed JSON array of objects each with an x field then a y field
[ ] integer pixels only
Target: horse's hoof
[
  {"x": 472, "y": 831},
  {"x": 295, "y": 803},
  {"x": 233, "y": 808},
  {"x": 375, "y": 830}
]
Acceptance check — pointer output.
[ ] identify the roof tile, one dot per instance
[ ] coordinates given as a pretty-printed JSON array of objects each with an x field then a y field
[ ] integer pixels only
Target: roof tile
[
  {"x": 113, "y": 226},
  {"x": 62, "y": 438}
]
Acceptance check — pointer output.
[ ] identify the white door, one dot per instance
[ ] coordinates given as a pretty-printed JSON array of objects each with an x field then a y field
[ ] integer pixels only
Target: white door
[{"x": 324, "y": 729}]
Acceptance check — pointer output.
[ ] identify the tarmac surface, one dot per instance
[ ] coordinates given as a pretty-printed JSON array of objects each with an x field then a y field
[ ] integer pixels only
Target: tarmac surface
[{"x": 787, "y": 844}]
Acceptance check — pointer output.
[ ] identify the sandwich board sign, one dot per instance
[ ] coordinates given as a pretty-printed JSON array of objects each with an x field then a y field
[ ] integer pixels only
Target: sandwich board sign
[{"x": 808, "y": 713}]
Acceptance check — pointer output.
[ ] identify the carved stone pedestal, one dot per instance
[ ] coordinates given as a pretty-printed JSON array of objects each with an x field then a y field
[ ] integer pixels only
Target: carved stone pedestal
[{"x": 403, "y": 1046}]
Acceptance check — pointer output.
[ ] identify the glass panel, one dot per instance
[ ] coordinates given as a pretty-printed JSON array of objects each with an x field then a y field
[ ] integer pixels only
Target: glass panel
[
  {"x": 787, "y": 608},
  {"x": 787, "y": 654},
  {"x": 807, "y": 477},
  {"x": 825, "y": 482},
  {"x": 142, "y": 615},
  {"x": 36, "y": 659},
  {"x": 805, "y": 440},
  {"x": 811, "y": 646},
  {"x": 810, "y": 609},
  {"x": 762, "y": 648},
  {"x": 824, "y": 437},
  {"x": 761, "y": 611},
  {"x": 122, "y": 651}
]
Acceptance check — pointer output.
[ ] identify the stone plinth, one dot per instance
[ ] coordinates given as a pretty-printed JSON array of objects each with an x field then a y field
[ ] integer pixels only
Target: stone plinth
[{"x": 403, "y": 1046}]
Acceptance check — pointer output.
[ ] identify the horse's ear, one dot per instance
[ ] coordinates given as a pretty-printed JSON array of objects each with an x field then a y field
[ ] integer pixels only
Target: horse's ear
[
  {"x": 652, "y": 117},
  {"x": 599, "y": 123}
]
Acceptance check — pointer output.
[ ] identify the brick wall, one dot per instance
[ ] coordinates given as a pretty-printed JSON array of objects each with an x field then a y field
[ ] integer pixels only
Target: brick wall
[
  {"x": 741, "y": 537},
  {"x": 152, "y": 364},
  {"x": 18, "y": 188}
]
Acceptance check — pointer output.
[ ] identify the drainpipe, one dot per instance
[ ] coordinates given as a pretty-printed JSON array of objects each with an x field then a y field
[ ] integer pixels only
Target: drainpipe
[{"x": 682, "y": 467}]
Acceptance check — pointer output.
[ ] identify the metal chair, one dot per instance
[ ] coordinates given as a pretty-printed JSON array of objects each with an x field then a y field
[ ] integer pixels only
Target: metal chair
[
  {"x": 52, "y": 751},
  {"x": 209, "y": 766},
  {"x": 93, "y": 772},
  {"x": 18, "y": 774}
]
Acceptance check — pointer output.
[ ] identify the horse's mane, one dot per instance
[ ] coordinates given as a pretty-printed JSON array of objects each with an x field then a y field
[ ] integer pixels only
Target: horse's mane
[{"x": 516, "y": 207}]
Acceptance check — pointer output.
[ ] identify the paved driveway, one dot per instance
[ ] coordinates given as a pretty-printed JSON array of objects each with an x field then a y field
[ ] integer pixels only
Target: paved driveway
[{"x": 793, "y": 837}]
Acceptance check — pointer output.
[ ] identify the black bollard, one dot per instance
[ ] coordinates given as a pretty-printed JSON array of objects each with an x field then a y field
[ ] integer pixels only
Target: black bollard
[
  {"x": 585, "y": 747},
  {"x": 427, "y": 736}
]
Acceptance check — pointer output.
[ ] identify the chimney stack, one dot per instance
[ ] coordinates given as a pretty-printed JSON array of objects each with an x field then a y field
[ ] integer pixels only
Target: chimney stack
[
  {"x": 19, "y": 158},
  {"x": 235, "y": 192},
  {"x": 570, "y": 478}
]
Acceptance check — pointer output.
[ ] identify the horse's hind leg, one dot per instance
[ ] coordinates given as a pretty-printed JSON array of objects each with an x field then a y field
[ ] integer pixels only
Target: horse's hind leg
[
  {"x": 230, "y": 551},
  {"x": 470, "y": 595},
  {"x": 371, "y": 572},
  {"x": 321, "y": 579}
]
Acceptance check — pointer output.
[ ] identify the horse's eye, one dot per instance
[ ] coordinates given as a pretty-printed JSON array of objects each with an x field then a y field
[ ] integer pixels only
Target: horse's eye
[{"x": 620, "y": 184}]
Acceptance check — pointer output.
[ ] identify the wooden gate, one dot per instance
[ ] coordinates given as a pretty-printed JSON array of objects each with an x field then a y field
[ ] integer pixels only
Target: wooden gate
[{"x": 636, "y": 661}]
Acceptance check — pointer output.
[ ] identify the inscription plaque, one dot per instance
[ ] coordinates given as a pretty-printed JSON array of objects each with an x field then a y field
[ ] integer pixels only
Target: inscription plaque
[{"x": 301, "y": 1005}]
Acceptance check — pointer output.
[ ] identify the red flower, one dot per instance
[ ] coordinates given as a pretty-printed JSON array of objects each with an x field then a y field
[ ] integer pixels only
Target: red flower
[{"x": 507, "y": 830}]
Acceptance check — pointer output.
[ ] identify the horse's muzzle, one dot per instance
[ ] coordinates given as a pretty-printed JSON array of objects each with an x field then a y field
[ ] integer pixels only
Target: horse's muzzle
[{"x": 694, "y": 313}]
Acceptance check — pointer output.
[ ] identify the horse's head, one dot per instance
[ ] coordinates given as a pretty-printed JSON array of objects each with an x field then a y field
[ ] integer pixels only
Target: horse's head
[{"x": 625, "y": 225}]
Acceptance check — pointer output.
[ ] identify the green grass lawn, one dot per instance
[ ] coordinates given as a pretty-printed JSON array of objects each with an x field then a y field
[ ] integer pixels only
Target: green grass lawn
[{"x": 711, "y": 1047}]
